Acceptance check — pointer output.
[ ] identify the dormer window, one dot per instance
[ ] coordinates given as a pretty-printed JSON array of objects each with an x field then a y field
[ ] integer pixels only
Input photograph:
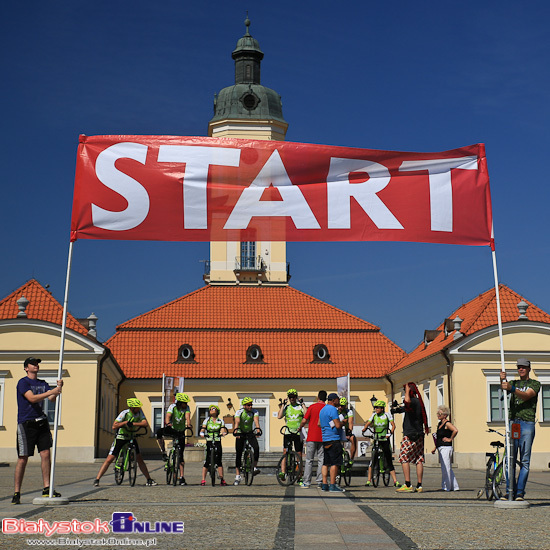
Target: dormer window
[
  {"x": 186, "y": 354},
  {"x": 321, "y": 354},
  {"x": 254, "y": 354}
]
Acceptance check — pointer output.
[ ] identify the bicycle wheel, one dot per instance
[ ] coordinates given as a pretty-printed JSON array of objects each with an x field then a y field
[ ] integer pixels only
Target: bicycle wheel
[
  {"x": 248, "y": 466},
  {"x": 213, "y": 464},
  {"x": 489, "y": 477},
  {"x": 119, "y": 467},
  {"x": 283, "y": 480},
  {"x": 384, "y": 470},
  {"x": 296, "y": 467},
  {"x": 499, "y": 481},
  {"x": 375, "y": 469},
  {"x": 176, "y": 461},
  {"x": 168, "y": 468},
  {"x": 345, "y": 470},
  {"x": 132, "y": 466}
]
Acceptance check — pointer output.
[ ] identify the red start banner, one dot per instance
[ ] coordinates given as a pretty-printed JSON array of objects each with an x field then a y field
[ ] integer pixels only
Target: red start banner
[{"x": 170, "y": 188}]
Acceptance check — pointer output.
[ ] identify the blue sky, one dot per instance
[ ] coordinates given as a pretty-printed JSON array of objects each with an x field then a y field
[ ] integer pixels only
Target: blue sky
[{"x": 379, "y": 75}]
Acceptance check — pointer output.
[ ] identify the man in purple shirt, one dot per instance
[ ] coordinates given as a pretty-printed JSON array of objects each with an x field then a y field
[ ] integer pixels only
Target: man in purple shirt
[{"x": 33, "y": 428}]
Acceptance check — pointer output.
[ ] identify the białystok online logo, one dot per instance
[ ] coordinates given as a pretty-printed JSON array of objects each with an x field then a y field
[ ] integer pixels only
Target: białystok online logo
[{"x": 122, "y": 522}]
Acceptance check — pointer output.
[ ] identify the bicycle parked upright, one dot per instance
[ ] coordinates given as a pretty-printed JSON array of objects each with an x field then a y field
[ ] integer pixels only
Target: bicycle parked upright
[
  {"x": 345, "y": 469},
  {"x": 174, "y": 462},
  {"x": 495, "y": 474},
  {"x": 289, "y": 467}
]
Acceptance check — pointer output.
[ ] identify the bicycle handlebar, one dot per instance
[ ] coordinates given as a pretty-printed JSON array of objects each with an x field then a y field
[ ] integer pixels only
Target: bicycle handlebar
[
  {"x": 137, "y": 431},
  {"x": 256, "y": 431},
  {"x": 287, "y": 432}
]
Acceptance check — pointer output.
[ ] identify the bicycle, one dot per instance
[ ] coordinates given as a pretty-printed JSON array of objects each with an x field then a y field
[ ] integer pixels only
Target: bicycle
[
  {"x": 378, "y": 463},
  {"x": 293, "y": 462},
  {"x": 495, "y": 475},
  {"x": 345, "y": 469},
  {"x": 211, "y": 455},
  {"x": 247, "y": 463},
  {"x": 127, "y": 458},
  {"x": 173, "y": 463}
]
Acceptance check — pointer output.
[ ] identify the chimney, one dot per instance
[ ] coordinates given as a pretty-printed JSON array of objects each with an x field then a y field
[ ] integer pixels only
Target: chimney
[
  {"x": 92, "y": 322},
  {"x": 522, "y": 307},
  {"x": 22, "y": 304},
  {"x": 457, "y": 326}
]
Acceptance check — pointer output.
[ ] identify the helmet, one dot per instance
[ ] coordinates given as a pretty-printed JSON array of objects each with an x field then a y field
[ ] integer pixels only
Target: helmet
[
  {"x": 292, "y": 392},
  {"x": 182, "y": 397},
  {"x": 214, "y": 407},
  {"x": 133, "y": 402},
  {"x": 343, "y": 401},
  {"x": 380, "y": 403},
  {"x": 247, "y": 400}
]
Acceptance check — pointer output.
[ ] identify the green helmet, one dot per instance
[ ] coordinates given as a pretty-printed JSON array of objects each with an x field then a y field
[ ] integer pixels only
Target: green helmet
[
  {"x": 133, "y": 402},
  {"x": 182, "y": 397},
  {"x": 380, "y": 403},
  {"x": 247, "y": 400},
  {"x": 292, "y": 392},
  {"x": 214, "y": 407},
  {"x": 343, "y": 401}
]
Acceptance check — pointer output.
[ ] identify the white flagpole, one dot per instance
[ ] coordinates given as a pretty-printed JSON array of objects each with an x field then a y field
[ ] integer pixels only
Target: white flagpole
[
  {"x": 503, "y": 369},
  {"x": 60, "y": 370}
]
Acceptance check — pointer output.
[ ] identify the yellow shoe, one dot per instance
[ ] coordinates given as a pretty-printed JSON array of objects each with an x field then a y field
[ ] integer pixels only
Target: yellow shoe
[
  {"x": 419, "y": 489},
  {"x": 405, "y": 489}
]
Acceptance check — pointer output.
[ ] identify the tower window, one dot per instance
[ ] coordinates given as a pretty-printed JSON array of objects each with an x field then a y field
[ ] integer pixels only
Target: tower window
[{"x": 248, "y": 72}]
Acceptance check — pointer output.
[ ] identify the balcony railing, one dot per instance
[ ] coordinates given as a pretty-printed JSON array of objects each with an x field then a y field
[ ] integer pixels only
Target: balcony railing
[{"x": 250, "y": 263}]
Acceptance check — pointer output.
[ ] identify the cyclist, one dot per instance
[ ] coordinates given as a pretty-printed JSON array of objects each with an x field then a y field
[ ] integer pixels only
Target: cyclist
[
  {"x": 293, "y": 413},
  {"x": 247, "y": 420},
  {"x": 128, "y": 419},
  {"x": 348, "y": 427},
  {"x": 383, "y": 426},
  {"x": 211, "y": 428},
  {"x": 178, "y": 417}
]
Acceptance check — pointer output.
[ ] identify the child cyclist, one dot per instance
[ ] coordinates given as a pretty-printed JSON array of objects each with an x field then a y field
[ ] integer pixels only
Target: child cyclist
[
  {"x": 383, "y": 426},
  {"x": 211, "y": 429},
  {"x": 128, "y": 420}
]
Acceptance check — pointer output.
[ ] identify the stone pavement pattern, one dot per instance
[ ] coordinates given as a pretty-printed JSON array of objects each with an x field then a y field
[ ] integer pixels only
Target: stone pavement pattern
[{"x": 268, "y": 516}]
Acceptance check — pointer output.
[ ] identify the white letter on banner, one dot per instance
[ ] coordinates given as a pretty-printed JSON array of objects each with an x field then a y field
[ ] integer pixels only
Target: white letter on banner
[
  {"x": 293, "y": 204},
  {"x": 441, "y": 190},
  {"x": 340, "y": 190},
  {"x": 129, "y": 188},
  {"x": 197, "y": 161}
]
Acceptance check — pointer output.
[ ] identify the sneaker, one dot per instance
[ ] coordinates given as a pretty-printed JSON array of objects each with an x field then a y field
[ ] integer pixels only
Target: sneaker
[
  {"x": 203, "y": 483},
  {"x": 182, "y": 481},
  {"x": 519, "y": 498},
  {"x": 256, "y": 472},
  {"x": 46, "y": 492},
  {"x": 505, "y": 497},
  {"x": 16, "y": 498},
  {"x": 419, "y": 489},
  {"x": 397, "y": 484},
  {"x": 335, "y": 489},
  {"x": 223, "y": 483},
  {"x": 405, "y": 489},
  {"x": 304, "y": 485},
  {"x": 282, "y": 475},
  {"x": 324, "y": 486},
  {"x": 96, "y": 482},
  {"x": 237, "y": 480},
  {"x": 368, "y": 484},
  {"x": 151, "y": 483}
]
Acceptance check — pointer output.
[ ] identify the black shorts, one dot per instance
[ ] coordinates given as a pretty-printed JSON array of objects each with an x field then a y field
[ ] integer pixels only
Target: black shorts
[
  {"x": 31, "y": 434},
  {"x": 296, "y": 441},
  {"x": 118, "y": 444},
  {"x": 333, "y": 453}
]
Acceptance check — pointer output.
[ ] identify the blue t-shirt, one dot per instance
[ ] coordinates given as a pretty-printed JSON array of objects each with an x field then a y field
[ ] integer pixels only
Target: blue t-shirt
[
  {"x": 328, "y": 413},
  {"x": 25, "y": 409}
]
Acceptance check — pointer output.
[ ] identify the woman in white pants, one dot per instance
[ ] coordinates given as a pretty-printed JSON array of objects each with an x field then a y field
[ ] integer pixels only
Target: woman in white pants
[{"x": 444, "y": 436}]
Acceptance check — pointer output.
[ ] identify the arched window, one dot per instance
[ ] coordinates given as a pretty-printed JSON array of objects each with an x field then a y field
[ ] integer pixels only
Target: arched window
[
  {"x": 254, "y": 354},
  {"x": 321, "y": 354},
  {"x": 186, "y": 354}
]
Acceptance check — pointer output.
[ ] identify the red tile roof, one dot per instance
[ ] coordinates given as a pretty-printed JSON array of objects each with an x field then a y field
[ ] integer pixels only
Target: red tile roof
[
  {"x": 221, "y": 322},
  {"x": 477, "y": 314},
  {"x": 42, "y": 306}
]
